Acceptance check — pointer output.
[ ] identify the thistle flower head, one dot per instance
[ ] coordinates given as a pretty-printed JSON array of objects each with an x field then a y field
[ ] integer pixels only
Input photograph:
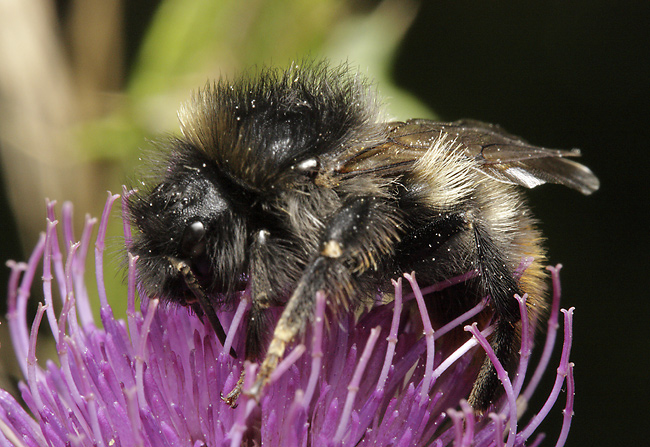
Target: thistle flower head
[{"x": 154, "y": 377}]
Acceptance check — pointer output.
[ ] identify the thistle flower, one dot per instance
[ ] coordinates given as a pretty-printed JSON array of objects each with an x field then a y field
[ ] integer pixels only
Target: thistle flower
[{"x": 154, "y": 377}]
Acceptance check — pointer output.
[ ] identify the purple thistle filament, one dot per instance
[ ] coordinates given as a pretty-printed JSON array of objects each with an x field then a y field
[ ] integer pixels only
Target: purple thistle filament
[{"x": 155, "y": 376}]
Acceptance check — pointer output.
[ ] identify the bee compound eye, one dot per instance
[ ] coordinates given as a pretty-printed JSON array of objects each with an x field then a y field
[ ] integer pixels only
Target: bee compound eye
[{"x": 193, "y": 240}]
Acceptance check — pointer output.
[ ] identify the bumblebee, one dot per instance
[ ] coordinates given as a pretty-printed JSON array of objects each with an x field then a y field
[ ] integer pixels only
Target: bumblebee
[{"x": 288, "y": 182}]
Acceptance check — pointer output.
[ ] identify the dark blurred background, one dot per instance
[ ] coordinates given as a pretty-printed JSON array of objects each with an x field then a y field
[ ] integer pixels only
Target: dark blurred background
[
  {"x": 566, "y": 74},
  {"x": 561, "y": 74}
]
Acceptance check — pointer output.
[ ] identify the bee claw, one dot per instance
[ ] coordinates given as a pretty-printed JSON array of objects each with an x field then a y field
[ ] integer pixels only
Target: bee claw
[{"x": 231, "y": 398}]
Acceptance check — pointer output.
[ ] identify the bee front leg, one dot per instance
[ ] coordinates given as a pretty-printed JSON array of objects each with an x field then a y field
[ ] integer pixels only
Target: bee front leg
[
  {"x": 355, "y": 239},
  {"x": 258, "y": 322},
  {"x": 261, "y": 293}
]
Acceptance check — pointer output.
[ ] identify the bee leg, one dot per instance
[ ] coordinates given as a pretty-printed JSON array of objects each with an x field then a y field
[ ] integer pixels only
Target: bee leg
[
  {"x": 498, "y": 282},
  {"x": 297, "y": 311},
  {"x": 258, "y": 323},
  {"x": 363, "y": 230},
  {"x": 258, "y": 320},
  {"x": 261, "y": 260},
  {"x": 495, "y": 279},
  {"x": 503, "y": 341}
]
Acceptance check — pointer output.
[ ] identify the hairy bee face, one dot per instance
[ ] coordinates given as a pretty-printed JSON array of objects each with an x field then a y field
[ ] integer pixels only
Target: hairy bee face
[
  {"x": 189, "y": 217},
  {"x": 286, "y": 183}
]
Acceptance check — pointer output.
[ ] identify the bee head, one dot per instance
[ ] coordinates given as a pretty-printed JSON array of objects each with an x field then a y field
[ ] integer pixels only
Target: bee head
[{"x": 189, "y": 216}]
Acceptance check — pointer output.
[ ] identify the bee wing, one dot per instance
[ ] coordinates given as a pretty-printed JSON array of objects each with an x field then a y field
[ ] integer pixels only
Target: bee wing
[{"x": 497, "y": 154}]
